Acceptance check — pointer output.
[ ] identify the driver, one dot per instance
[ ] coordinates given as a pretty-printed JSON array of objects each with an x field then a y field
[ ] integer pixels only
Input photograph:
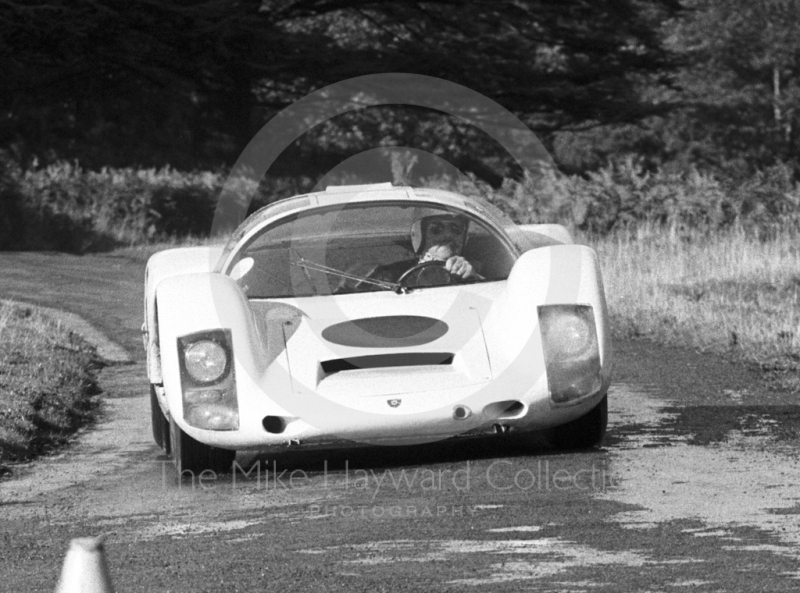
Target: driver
[{"x": 439, "y": 237}]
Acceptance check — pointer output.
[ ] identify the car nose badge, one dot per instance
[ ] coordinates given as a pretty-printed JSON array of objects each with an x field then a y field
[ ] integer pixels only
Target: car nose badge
[{"x": 393, "y": 402}]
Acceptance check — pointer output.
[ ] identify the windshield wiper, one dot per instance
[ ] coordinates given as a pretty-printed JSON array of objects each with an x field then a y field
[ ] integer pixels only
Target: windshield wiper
[
  {"x": 316, "y": 267},
  {"x": 305, "y": 270}
]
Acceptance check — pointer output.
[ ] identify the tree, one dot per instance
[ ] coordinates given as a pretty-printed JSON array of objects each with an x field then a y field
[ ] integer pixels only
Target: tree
[
  {"x": 188, "y": 81},
  {"x": 741, "y": 82}
]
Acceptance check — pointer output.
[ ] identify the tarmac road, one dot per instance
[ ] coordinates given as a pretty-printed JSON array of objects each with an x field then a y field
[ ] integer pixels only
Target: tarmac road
[{"x": 696, "y": 487}]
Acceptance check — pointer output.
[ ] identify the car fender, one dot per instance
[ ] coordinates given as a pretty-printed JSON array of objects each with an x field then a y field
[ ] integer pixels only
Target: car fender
[
  {"x": 546, "y": 234},
  {"x": 162, "y": 265},
  {"x": 562, "y": 274},
  {"x": 205, "y": 301}
]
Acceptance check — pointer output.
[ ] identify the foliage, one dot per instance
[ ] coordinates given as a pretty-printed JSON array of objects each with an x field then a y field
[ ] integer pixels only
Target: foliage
[
  {"x": 64, "y": 207},
  {"x": 67, "y": 208},
  {"x": 187, "y": 83},
  {"x": 677, "y": 85},
  {"x": 70, "y": 209},
  {"x": 739, "y": 87},
  {"x": 731, "y": 109},
  {"x": 47, "y": 386},
  {"x": 625, "y": 195}
]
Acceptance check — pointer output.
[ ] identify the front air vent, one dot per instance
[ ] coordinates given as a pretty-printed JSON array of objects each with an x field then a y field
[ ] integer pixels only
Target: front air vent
[
  {"x": 274, "y": 424},
  {"x": 377, "y": 361},
  {"x": 504, "y": 410}
]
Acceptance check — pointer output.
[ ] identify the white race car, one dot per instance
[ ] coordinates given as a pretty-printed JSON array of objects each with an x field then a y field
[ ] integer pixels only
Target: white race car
[{"x": 374, "y": 314}]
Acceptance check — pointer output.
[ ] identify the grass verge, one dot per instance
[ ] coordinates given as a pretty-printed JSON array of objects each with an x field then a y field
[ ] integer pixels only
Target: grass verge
[
  {"x": 47, "y": 384},
  {"x": 729, "y": 293}
]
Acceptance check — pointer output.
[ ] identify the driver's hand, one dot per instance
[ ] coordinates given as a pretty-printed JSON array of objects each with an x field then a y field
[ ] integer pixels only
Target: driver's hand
[{"x": 459, "y": 266}]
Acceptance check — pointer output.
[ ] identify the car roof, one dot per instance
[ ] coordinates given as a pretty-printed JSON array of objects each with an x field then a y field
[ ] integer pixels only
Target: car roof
[
  {"x": 374, "y": 192},
  {"x": 342, "y": 194}
]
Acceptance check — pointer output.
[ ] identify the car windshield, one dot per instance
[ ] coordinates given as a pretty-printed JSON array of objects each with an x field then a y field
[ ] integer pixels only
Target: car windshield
[{"x": 359, "y": 247}]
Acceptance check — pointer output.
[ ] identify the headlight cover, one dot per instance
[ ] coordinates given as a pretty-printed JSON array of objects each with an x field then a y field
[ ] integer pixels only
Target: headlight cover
[
  {"x": 569, "y": 335},
  {"x": 206, "y": 361},
  {"x": 207, "y": 380},
  {"x": 571, "y": 352}
]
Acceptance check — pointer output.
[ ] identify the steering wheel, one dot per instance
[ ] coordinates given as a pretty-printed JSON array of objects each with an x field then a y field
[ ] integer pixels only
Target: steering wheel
[{"x": 427, "y": 273}]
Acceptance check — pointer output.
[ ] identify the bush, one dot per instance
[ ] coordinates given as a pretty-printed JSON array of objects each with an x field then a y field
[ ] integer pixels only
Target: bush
[
  {"x": 71, "y": 209},
  {"x": 768, "y": 201},
  {"x": 64, "y": 207},
  {"x": 625, "y": 195}
]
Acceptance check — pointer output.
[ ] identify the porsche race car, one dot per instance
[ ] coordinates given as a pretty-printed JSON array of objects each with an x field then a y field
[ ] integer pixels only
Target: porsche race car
[{"x": 323, "y": 323}]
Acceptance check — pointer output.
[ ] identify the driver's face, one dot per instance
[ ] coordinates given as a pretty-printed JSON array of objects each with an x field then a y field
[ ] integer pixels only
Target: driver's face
[{"x": 448, "y": 233}]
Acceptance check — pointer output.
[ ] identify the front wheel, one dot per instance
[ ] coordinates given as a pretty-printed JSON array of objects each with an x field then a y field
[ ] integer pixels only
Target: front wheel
[
  {"x": 192, "y": 456},
  {"x": 584, "y": 432},
  {"x": 159, "y": 422}
]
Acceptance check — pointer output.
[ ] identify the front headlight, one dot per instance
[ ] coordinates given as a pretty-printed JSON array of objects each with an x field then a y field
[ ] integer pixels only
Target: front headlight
[
  {"x": 206, "y": 361},
  {"x": 569, "y": 335},
  {"x": 207, "y": 380},
  {"x": 571, "y": 352}
]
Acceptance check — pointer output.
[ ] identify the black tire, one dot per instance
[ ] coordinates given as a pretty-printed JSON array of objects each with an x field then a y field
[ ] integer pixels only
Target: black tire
[
  {"x": 194, "y": 457},
  {"x": 159, "y": 422},
  {"x": 584, "y": 432}
]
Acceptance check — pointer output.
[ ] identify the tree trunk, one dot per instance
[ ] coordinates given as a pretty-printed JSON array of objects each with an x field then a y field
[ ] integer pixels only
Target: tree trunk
[{"x": 776, "y": 97}]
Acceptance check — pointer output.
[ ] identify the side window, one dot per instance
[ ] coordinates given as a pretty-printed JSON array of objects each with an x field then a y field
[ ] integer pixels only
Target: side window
[{"x": 487, "y": 252}]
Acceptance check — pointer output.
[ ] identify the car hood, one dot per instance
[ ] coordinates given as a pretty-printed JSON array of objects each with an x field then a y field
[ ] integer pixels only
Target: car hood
[{"x": 421, "y": 347}]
